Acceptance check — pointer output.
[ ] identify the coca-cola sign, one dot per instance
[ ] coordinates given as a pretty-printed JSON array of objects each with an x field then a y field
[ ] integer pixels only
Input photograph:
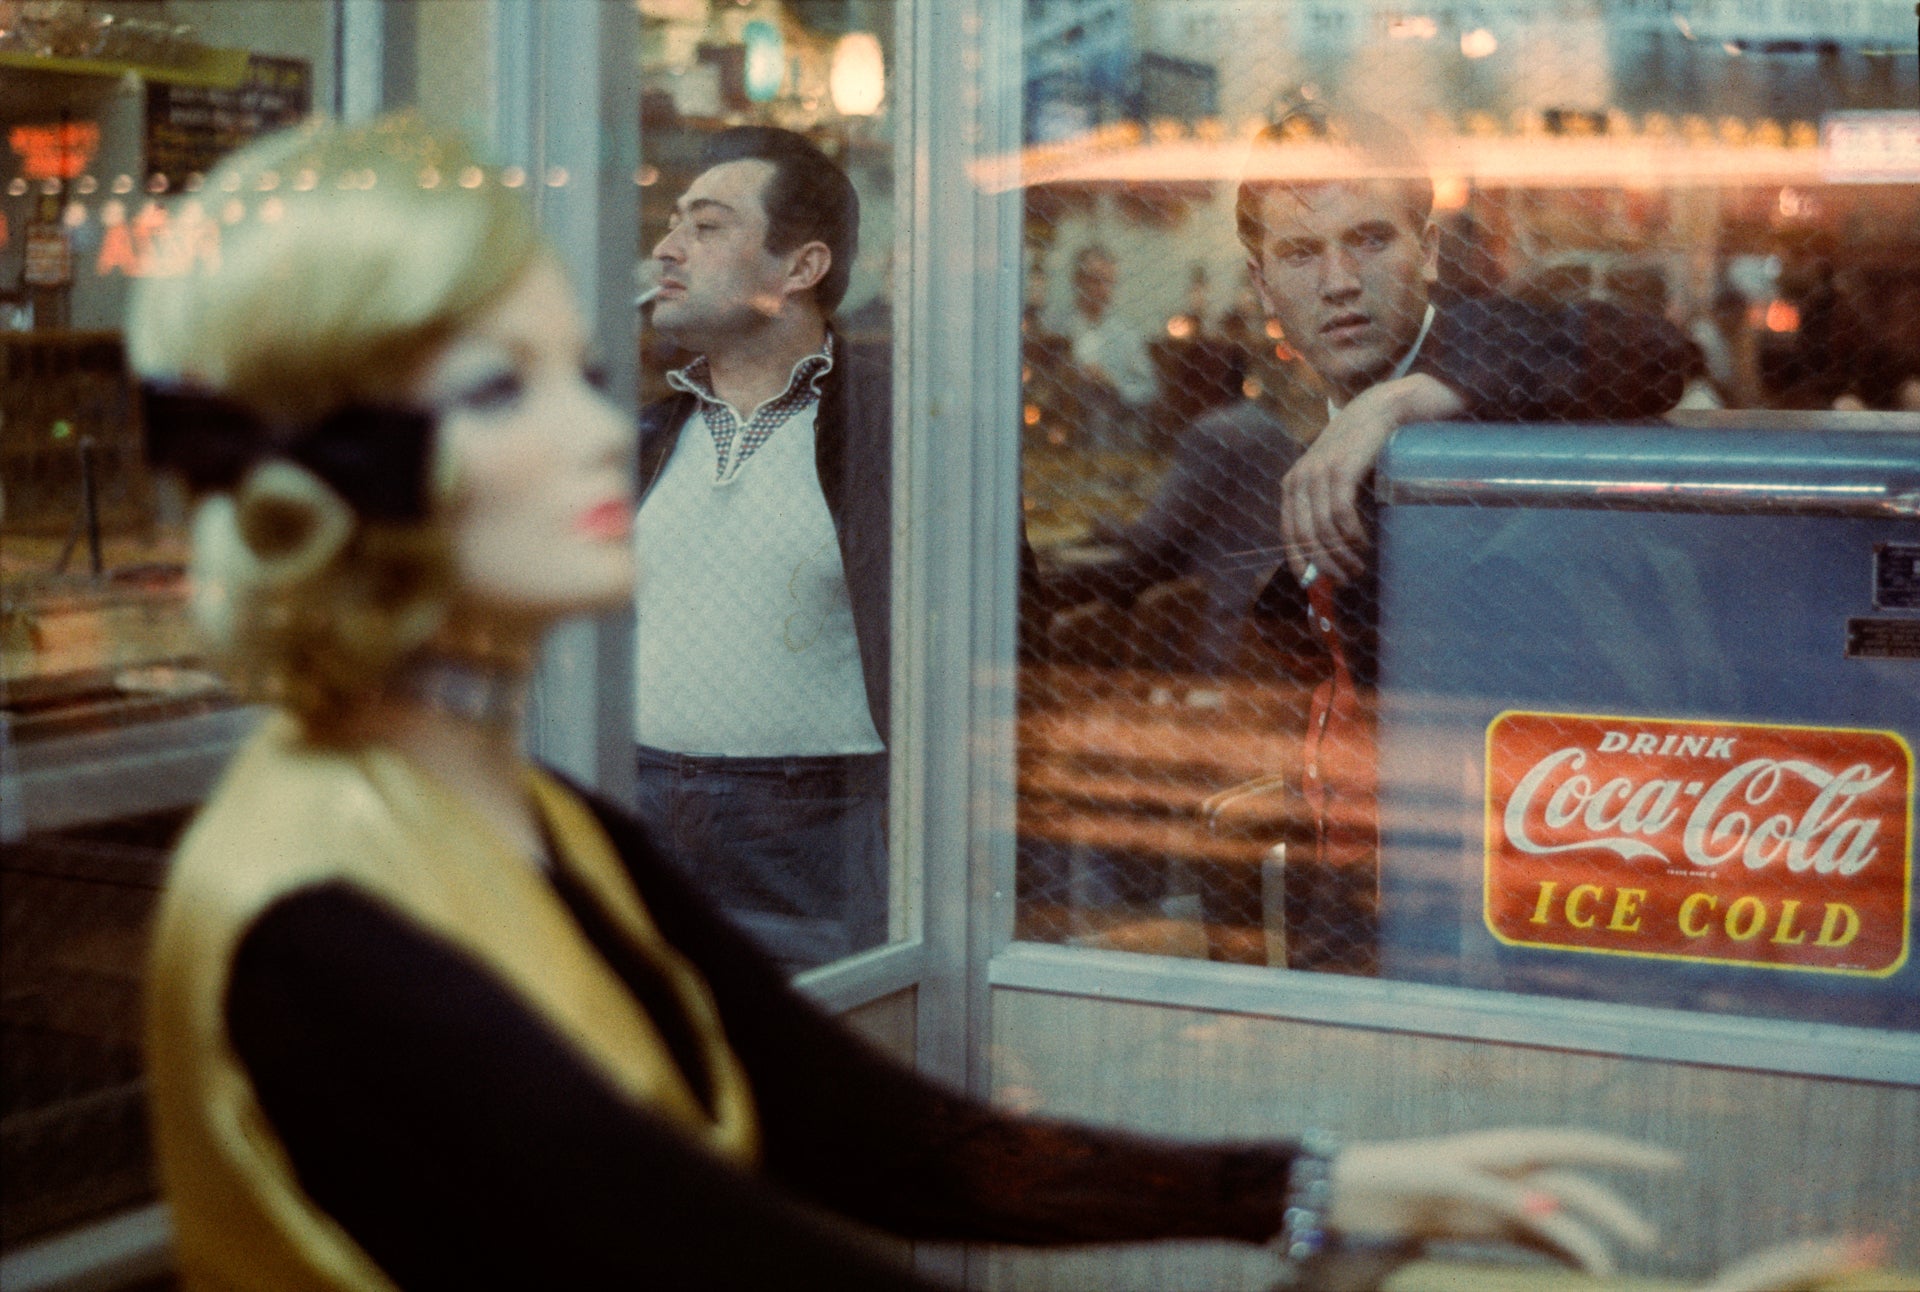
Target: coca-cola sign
[{"x": 1736, "y": 843}]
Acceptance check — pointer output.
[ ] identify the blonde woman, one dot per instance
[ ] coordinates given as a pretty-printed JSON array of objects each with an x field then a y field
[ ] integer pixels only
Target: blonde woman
[{"x": 420, "y": 1014}]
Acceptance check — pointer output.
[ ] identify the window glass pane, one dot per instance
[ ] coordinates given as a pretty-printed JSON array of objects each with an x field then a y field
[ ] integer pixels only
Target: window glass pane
[
  {"x": 763, "y": 604},
  {"x": 110, "y": 726},
  {"x": 1582, "y": 709}
]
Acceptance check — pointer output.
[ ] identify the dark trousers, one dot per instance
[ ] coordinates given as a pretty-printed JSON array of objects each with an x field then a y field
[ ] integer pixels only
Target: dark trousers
[{"x": 793, "y": 849}]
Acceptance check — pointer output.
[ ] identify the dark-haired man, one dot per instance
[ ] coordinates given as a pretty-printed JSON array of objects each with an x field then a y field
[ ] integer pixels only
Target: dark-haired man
[
  {"x": 1335, "y": 213},
  {"x": 1347, "y": 267},
  {"x": 762, "y": 606}
]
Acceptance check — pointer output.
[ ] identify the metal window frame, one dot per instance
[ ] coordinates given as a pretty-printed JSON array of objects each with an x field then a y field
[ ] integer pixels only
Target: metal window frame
[
  {"x": 1510, "y": 1018},
  {"x": 957, "y": 511},
  {"x": 125, "y": 1250}
]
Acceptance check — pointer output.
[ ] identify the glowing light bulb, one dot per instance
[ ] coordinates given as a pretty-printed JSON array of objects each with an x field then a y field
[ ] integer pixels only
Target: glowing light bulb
[
  {"x": 1478, "y": 43},
  {"x": 857, "y": 80}
]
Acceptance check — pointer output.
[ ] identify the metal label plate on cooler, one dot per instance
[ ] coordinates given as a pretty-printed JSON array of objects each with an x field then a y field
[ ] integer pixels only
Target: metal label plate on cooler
[
  {"x": 1733, "y": 843},
  {"x": 1896, "y": 576},
  {"x": 1883, "y": 638}
]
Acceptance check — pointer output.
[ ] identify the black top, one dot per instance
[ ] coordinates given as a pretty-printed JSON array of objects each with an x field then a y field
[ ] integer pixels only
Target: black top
[{"x": 463, "y": 1143}]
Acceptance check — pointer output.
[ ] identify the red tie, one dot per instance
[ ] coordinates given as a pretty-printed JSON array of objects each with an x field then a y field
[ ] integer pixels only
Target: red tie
[{"x": 1340, "y": 779}]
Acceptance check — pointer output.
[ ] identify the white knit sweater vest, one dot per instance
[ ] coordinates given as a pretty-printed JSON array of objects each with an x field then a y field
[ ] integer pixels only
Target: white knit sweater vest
[{"x": 744, "y": 637}]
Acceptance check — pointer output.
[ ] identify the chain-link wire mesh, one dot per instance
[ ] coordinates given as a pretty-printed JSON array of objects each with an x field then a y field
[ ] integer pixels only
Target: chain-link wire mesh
[
  {"x": 1173, "y": 797},
  {"x": 1200, "y": 752}
]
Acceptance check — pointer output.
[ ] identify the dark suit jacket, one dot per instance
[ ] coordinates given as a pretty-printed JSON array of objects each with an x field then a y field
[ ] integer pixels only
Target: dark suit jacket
[
  {"x": 1218, "y": 513},
  {"x": 1515, "y": 362}
]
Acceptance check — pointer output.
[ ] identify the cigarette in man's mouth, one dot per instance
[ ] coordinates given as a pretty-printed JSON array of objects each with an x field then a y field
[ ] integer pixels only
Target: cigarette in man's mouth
[{"x": 647, "y": 283}]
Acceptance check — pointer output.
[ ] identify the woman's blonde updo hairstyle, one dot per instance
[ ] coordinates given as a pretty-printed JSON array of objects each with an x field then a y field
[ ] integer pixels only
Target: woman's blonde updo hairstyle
[{"x": 358, "y": 252}]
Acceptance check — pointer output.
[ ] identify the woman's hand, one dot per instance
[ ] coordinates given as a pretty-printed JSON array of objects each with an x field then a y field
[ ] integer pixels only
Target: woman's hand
[
  {"x": 1804, "y": 1262},
  {"x": 1515, "y": 1184}
]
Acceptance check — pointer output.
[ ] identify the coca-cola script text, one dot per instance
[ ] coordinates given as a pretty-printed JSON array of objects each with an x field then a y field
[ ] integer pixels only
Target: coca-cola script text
[{"x": 1775, "y": 846}]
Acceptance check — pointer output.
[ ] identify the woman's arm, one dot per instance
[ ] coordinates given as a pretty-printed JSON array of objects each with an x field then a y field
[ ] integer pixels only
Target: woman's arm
[
  {"x": 464, "y": 1144},
  {"x": 869, "y": 1138}
]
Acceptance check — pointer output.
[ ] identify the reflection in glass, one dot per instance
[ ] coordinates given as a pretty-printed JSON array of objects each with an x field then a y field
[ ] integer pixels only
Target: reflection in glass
[{"x": 1185, "y": 784}]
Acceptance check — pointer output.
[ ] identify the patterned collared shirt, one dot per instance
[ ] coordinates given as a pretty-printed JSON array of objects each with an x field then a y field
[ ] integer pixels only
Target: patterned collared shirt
[{"x": 733, "y": 444}]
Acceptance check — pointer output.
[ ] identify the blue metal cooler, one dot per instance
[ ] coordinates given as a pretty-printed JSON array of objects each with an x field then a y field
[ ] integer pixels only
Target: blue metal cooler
[{"x": 1649, "y": 701}]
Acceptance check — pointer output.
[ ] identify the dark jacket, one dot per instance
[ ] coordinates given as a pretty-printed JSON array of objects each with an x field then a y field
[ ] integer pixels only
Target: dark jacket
[
  {"x": 853, "y": 452},
  {"x": 1215, "y": 516},
  {"x": 1592, "y": 361},
  {"x": 1218, "y": 512},
  {"x": 1515, "y": 362},
  {"x": 445, "y": 1122}
]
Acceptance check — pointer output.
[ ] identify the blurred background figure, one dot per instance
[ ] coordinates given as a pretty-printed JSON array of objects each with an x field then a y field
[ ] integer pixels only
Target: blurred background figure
[
  {"x": 1112, "y": 375},
  {"x": 1726, "y": 353},
  {"x": 1199, "y": 363},
  {"x": 1823, "y": 347}
]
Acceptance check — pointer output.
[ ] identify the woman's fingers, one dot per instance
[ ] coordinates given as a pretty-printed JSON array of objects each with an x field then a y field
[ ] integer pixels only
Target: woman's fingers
[
  {"x": 1541, "y": 1213},
  {"x": 1569, "y": 1211},
  {"x": 1797, "y": 1264},
  {"x": 1570, "y": 1237},
  {"x": 1520, "y": 1184},
  {"x": 1553, "y": 1191},
  {"x": 1443, "y": 1200},
  {"x": 1514, "y": 1150}
]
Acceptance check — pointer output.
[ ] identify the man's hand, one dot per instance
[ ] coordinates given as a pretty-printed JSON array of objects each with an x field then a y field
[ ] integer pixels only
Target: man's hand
[
  {"x": 1515, "y": 1184},
  {"x": 1320, "y": 518}
]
